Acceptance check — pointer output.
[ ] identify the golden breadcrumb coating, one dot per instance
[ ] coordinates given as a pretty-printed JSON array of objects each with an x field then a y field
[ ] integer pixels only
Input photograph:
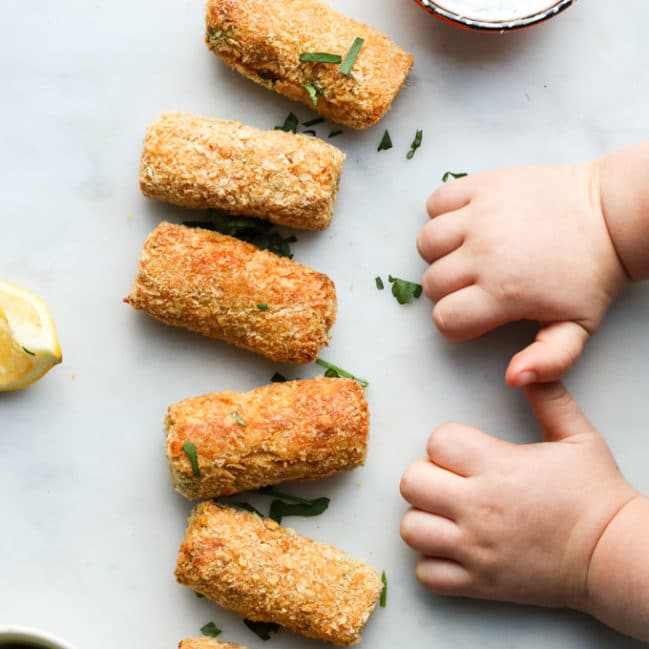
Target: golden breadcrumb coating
[
  {"x": 263, "y": 40},
  {"x": 209, "y": 163},
  {"x": 206, "y": 643},
  {"x": 268, "y": 573},
  {"x": 212, "y": 284},
  {"x": 298, "y": 430}
]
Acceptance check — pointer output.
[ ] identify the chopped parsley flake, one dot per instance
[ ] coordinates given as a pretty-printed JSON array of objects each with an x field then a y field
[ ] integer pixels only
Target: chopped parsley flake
[
  {"x": 336, "y": 372},
  {"x": 262, "y": 307},
  {"x": 384, "y": 592},
  {"x": 262, "y": 629},
  {"x": 379, "y": 283},
  {"x": 211, "y": 630},
  {"x": 416, "y": 143},
  {"x": 386, "y": 142},
  {"x": 403, "y": 290},
  {"x": 289, "y": 125},
  {"x": 450, "y": 174},
  {"x": 295, "y": 506},
  {"x": 320, "y": 57},
  {"x": 314, "y": 121},
  {"x": 350, "y": 57},
  {"x": 237, "y": 418},
  {"x": 313, "y": 91},
  {"x": 190, "y": 451},
  {"x": 315, "y": 507}
]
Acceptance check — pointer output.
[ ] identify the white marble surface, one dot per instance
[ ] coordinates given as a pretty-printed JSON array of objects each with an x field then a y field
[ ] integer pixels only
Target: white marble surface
[{"x": 90, "y": 523}]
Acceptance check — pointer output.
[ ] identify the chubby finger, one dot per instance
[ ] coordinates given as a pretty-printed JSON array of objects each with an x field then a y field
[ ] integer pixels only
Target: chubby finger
[
  {"x": 556, "y": 411},
  {"x": 467, "y": 314},
  {"x": 549, "y": 357},
  {"x": 432, "y": 489},
  {"x": 462, "y": 449},
  {"x": 444, "y": 576},
  {"x": 447, "y": 275},
  {"x": 449, "y": 197},
  {"x": 442, "y": 235},
  {"x": 430, "y": 534}
]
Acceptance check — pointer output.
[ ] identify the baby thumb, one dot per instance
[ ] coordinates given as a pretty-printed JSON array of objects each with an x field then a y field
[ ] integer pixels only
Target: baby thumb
[
  {"x": 549, "y": 357},
  {"x": 556, "y": 411}
]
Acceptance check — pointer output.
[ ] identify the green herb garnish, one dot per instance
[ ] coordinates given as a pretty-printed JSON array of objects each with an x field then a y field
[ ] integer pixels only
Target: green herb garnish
[
  {"x": 403, "y": 290},
  {"x": 350, "y": 57},
  {"x": 259, "y": 233},
  {"x": 278, "y": 378},
  {"x": 416, "y": 143},
  {"x": 314, "y": 121},
  {"x": 199, "y": 595},
  {"x": 211, "y": 630},
  {"x": 386, "y": 142},
  {"x": 190, "y": 451},
  {"x": 335, "y": 134},
  {"x": 289, "y": 125},
  {"x": 237, "y": 418},
  {"x": 315, "y": 507},
  {"x": 308, "y": 131},
  {"x": 262, "y": 307},
  {"x": 320, "y": 57},
  {"x": 28, "y": 351},
  {"x": 384, "y": 592},
  {"x": 295, "y": 506},
  {"x": 271, "y": 491},
  {"x": 247, "y": 507},
  {"x": 313, "y": 91},
  {"x": 450, "y": 174},
  {"x": 379, "y": 283},
  {"x": 337, "y": 372},
  {"x": 262, "y": 629}
]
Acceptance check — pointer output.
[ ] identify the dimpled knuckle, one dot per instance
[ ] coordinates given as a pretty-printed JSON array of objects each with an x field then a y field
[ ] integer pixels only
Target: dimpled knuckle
[
  {"x": 422, "y": 242},
  {"x": 406, "y": 484},
  {"x": 443, "y": 320},
  {"x": 438, "y": 438},
  {"x": 428, "y": 284},
  {"x": 406, "y": 528}
]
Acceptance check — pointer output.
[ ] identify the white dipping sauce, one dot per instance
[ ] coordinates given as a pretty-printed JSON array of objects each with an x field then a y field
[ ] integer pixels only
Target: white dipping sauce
[{"x": 496, "y": 9}]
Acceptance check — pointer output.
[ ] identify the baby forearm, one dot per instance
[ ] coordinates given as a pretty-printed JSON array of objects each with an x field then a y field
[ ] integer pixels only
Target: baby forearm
[
  {"x": 618, "y": 580},
  {"x": 624, "y": 187}
]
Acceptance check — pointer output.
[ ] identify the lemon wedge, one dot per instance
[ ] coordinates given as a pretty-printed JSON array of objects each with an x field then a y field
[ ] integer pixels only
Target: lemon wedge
[{"x": 29, "y": 346}]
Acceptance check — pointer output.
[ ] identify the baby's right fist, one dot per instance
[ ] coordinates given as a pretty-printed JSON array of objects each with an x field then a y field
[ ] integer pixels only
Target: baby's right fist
[{"x": 526, "y": 243}]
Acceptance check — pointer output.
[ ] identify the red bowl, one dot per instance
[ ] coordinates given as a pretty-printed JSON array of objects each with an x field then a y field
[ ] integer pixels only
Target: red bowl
[{"x": 494, "y": 15}]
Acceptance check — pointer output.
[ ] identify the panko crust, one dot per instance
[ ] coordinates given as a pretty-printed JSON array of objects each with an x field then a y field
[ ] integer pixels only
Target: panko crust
[
  {"x": 263, "y": 41},
  {"x": 207, "y": 643},
  {"x": 269, "y": 573},
  {"x": 298, "y": 430},
  {"x": 202, "y": 163},
  {"x": 211, "y": 283}
]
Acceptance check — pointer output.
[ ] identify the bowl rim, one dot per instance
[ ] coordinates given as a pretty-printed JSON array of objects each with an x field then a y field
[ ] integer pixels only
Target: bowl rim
[
  {"x": 494, "y": 25},
  {"x": 15, "y": 633}
]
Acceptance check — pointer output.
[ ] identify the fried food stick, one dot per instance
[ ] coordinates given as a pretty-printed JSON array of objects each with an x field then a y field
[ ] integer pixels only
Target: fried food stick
[
  {"x": 263, "y": 41},
  {"x": 204, "y": 163},
  {"x": 298, "y": 430},
  {"x": 268, "y": 573},
  {"x": 206, "y": 643},
  {"x": 225, "y": 288}
]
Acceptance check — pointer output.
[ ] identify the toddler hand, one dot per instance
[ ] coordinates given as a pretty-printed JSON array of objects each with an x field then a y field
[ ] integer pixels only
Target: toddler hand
[
  {"x": 522, "y": 243},
  {"x": 494, "y": 520}
]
